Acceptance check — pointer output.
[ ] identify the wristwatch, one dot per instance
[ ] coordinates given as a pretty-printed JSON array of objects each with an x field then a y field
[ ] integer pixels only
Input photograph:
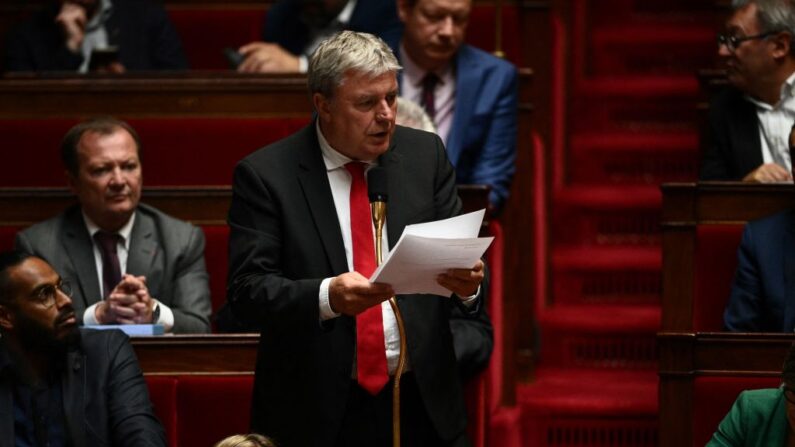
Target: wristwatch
[{"x": 156, "y": 313}]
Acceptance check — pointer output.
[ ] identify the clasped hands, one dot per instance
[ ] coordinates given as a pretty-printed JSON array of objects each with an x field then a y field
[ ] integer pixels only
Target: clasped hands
[
  {"x": 128, "y": 303},
  {"x": 351, "y": 293}
]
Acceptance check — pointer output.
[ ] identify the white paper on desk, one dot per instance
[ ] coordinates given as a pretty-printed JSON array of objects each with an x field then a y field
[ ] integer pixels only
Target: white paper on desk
[{"x": 417, "y": 259}]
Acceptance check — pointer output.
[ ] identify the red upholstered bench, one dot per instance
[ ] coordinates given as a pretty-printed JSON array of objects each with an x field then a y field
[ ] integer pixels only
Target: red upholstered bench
[
  {"x": 177, "y": 151},
  {"x": 210, "y": 408},
  {"x": 713, "y": 398},
  {"x": 216, "y": 257},
  {"x": 7, "y": 235},
  {"x": 715, "y": 262},
  {"x": 163, "y": 394}
]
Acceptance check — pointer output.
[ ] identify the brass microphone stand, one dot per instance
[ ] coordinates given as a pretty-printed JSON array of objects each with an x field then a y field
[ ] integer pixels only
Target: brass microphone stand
[{"x": 378, "y": 209}]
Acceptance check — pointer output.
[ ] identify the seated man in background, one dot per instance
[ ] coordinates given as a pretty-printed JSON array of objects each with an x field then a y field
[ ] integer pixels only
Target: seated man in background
[
  {"x": 128, "y": 262},
  {"x": 61, "y": 385},
  {"x": 761, "y": 417},
  {"x": 470, "y": 94},
  {"x": 762, "y": 291},
  {"x": 749, "y": 123},
  {"x": 294, "y": 28},
  {"x": 86, "y": 35}
]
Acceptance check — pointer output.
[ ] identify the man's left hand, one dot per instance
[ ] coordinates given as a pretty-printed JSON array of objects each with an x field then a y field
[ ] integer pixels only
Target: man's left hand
[{"x": 462, "y": 282}]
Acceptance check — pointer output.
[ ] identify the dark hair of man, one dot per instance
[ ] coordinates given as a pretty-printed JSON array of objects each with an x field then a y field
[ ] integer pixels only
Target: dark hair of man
[
  {"x": 774, "y": 16},
  {"x": 105, "y": 125},
  {"x": 9, "y": 260}
]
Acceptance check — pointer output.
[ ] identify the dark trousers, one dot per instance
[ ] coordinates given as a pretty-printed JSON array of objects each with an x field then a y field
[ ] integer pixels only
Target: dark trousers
[{"x": 368, "y": 419}]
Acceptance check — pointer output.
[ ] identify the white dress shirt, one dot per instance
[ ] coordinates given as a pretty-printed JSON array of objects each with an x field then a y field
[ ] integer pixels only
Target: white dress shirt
[
  {"x": 122, "y": 251},
  {"x": 444, "y": 93},
  {"x": 95, "y": 35},
  {"x": 775, "y": 125}
]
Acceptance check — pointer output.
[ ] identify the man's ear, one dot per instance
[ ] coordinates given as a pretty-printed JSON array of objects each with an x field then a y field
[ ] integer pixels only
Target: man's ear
[
  {"x": 6, "y": 318},
  {"x": 322, "y": 106},
  {"x": 782, "y": 43}
]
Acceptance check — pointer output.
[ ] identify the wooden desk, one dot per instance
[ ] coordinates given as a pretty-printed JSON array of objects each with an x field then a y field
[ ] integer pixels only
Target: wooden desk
[{"x": 197, "y": 354}]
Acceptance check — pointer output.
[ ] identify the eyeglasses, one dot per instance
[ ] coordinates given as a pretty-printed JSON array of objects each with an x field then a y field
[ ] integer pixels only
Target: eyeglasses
[
  {"x": 732, "y": 42},
  {"x": 46, "y": 295}
]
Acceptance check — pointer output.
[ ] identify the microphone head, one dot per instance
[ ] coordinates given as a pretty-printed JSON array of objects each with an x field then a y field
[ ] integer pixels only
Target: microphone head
[{"x": 377, "y": 184}]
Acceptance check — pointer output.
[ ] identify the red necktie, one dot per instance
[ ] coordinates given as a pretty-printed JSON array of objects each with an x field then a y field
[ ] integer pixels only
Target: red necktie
[
  {"x": 371, "y": 370},
  {"x": 429, "y": 93}
]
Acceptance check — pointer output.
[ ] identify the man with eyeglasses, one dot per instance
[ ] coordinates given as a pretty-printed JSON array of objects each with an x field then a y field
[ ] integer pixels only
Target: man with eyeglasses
[
  {"x": 129, "y": 262},
  {"x": 60, "y": 385},
  {"x": 750, "y": 123}
]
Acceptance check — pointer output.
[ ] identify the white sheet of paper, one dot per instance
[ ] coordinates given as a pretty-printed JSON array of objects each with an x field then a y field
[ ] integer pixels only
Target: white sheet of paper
[{"x": 421, "y": 254}]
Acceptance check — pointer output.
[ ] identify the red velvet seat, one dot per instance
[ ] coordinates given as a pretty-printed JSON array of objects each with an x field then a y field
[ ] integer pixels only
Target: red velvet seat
[
  {"x": 715, "y": 263},
  {"x": 216, "y": 256},
  {"x": 7, "y": 235},
  {"x": 713, "y": 398},
  {"x": 163, "y": 394},
  {"x": 210, "y": 408}
]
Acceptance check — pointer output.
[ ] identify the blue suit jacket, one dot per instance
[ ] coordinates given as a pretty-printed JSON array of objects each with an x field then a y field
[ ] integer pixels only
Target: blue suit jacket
[
  {"x": 284, "y": 27},
  {"x": 763, "y": 291},
  {"x": 482, "y": 140}
]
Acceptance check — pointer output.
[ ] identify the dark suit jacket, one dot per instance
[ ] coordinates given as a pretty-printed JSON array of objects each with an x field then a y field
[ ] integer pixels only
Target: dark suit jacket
[
  {"x": 285, "y": 238},
  {"x": 140, "y": 28},
  {"x": 105, "y": 397},
  {"x": 168, "y": 251},
  {"x": 733, "y": 148},
  {"x": 284, "y": 26},
  {"x": 482, "y": 140},
  {"x": 763, "y": 291}
]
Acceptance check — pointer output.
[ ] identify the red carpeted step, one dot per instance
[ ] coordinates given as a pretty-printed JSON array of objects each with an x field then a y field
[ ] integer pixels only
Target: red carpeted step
[
  {"x": 603, "y": 275},
  {"x": 633, "y": 49},
  {"x": 634, "y": 103},
  {"x": 590, "y": 408},
  {"x": 599, "y": 336},
  {"x": 625, "y": 158}
]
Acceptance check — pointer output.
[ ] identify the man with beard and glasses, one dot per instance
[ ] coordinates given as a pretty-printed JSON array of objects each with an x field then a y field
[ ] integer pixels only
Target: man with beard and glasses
[
  {"x": 129, "y": 263},
  {"x": 60, "y": 385},
  {"x": 119, "y": 35},
  {"x": 750, "y": 122},
  {"x": 294, "y": 28}
]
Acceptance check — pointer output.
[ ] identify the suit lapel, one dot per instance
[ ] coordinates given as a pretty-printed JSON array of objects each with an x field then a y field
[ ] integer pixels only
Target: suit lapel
[
  {"x": 73, "y": 388},
  {"x": 788, "y": 247},
  {"x": 143, "y": 247},
  {"x": 317, "y": 193},
  {"x": 80, "y": 249},
  {"x": 467, "y": 76},
  {"x": 747, "y": 137},
  {"x": 396, "y": 213}
]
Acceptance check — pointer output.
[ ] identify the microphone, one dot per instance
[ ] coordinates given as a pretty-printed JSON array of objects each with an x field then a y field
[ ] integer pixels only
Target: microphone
[{"x": 377, "y": 191}]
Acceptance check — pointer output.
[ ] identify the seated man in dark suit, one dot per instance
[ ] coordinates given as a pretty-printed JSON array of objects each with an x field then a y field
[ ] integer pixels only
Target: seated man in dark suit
[
  {"x": 129, "y": 262},
  {"x": 470, "y": 95},
  {"x": 66, "y": 33},
  {"x": 301, "y": 248},
  {"x": 749, "y": 123},
  {"x": 60, "y": 385},
  {"x": 294, "y": 28}
]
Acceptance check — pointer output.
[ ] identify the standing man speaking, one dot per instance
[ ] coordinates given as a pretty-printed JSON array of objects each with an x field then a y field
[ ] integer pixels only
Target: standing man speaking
[{"x": 301, "y": 249}]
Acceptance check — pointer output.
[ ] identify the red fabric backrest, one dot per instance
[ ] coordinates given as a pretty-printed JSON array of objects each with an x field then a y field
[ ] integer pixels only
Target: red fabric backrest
[
  {"x": 210, "y": 408},
  {"x": 206, "y": 32},
  {"x": 481, "y": 30},
  {"x": 7, "y": 235},
  {"x": 163, "y": 394},
  {"x": 216, "y": 257},
  {"x": 713, "y": 398},
  {"x": 176, "y": 151},
  {"x": 715, "y": 262}
]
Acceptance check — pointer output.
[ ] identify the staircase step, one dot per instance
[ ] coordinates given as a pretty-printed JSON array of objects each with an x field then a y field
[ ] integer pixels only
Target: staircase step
[
  {"x": 604, "y": 275},
  {"x": 635, "y": 104},
  {"x": 649, "y": 49},
  {"x": 598, "y": 216},
  {"x": 633, "y": 158},
  {"x": 590, "y": 408}
]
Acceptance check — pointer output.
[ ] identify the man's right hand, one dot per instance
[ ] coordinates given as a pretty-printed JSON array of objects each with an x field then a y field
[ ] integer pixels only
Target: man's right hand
[
  {"x": 128, "y": 301},
  {"x": 72, "y": 20},
  {"x": 351, "y": 293},
  {"x": 768, "y": 173}
]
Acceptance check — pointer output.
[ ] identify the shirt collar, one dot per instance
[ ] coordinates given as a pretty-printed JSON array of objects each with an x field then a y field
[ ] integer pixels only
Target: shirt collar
[
  {"x": 344, "y": 16},
  {"x": 124, "y": 231},
  {"x": 787, "y": 91},
  {"x": 415, "y": 74},
  {"x": 332, "y": 158}
]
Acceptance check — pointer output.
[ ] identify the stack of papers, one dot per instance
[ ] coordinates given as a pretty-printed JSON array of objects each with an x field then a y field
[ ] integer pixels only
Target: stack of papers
[{"x": 427, "y": 250}]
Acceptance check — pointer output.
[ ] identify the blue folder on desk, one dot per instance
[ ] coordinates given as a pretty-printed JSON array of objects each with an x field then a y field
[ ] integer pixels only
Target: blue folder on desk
[{"x": 132, "y": 330}]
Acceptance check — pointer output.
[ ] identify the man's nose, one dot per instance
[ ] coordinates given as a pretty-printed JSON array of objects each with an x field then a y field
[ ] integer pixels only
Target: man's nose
[
  {"x": 446, "y": 26},
  {"x": 723, "y": 50},
  {"x": 116, "y": 176}
]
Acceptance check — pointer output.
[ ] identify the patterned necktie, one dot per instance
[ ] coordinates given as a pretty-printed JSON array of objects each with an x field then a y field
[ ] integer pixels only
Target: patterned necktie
[
  {"x": 429, "y": 93},
  {"x": 111, "y": 270},
  {"x": 371, "y": 369}
]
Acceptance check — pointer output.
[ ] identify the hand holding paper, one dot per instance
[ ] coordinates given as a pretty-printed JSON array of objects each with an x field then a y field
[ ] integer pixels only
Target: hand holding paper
[{"x": 428, "y": 250}]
